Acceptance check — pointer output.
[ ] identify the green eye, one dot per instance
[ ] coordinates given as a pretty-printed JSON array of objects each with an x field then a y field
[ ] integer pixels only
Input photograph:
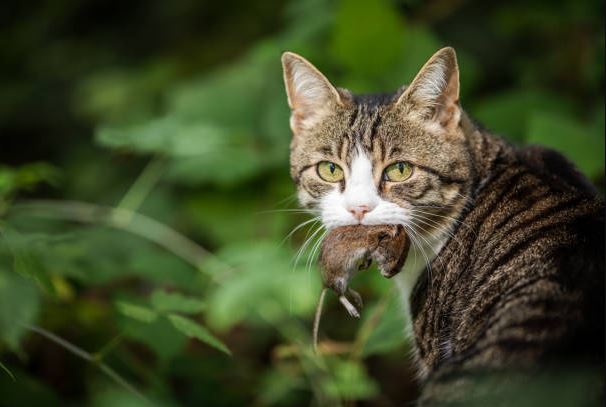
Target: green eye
[
  {"x": 330, "y": 172},
  {"x": 397, "y": 172}
]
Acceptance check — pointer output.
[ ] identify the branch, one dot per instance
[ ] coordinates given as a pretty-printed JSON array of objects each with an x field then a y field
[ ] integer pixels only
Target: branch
[
  {"x": 81, "y": 353},
  {"x": 127, "y": 220}
]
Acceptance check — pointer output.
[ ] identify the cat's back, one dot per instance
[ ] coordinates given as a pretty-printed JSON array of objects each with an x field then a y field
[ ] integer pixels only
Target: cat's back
[
  {"x": 521, "y": 281},
  {"x": 536, "y": 194},
  {"x": 540, "y": 252}
]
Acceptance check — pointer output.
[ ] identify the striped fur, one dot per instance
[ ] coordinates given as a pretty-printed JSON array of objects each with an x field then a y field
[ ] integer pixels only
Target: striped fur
[{"x": 519, "y": 280}]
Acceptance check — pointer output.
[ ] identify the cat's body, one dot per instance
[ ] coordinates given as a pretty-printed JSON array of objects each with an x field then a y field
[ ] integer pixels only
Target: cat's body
[
  {"x": 520, "y": 284},
  {"x": 506, "y": 269}
]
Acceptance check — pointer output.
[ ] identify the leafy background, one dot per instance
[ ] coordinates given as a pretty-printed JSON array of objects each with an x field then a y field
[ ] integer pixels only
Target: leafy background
[{"x": 144, "y": 255}]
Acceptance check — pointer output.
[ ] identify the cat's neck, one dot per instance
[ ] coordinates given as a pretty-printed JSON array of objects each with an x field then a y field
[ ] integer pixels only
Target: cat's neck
[
  {"x": 484, "y": 150},
  {"x": 418, "y": 261}
]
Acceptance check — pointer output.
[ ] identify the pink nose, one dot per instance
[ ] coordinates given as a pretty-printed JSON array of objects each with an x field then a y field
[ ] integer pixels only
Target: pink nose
[{"x": 359, "y": 211}]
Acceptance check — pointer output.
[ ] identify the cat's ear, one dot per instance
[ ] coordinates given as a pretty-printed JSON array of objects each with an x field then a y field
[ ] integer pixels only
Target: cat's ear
[
  {"x": 435, "y": 89},
  {"x": 311, "y": 96}
]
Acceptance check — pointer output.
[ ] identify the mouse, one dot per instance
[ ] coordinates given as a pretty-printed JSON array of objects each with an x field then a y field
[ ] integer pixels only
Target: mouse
[{"x": 347, "y": 250}]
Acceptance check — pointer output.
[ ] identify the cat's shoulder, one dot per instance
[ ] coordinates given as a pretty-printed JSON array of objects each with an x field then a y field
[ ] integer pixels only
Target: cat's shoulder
[{"x": 554, "y": 169}]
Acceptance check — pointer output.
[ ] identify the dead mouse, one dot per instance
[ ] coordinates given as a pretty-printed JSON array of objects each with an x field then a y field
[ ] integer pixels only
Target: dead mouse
[{"x": 349, "y": 249}]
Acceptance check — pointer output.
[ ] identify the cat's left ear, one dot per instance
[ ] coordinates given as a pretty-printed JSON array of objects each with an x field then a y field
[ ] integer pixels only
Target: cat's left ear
[{"x": 435, "y": 90}]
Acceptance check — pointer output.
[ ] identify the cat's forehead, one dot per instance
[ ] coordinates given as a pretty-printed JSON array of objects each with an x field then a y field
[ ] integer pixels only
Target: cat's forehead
[{"x": 369, "y": 123}]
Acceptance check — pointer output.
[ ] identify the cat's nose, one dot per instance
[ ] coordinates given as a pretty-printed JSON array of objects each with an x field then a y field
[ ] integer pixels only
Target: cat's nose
[{"x": 359, "y": 211}]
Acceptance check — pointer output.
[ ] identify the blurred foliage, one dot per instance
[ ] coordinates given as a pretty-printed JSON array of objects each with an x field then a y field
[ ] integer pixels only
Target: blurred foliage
[{"x": 170, "y": 120}]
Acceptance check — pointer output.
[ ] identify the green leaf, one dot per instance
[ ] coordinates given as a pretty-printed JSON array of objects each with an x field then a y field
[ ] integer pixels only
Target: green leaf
[
  {"x": 581, "y": 143},
  {"x": 350, "y": 381},
  {"x": 224, "y": 167},
  {"x": 137, "y": 312},
  {"x": 215, "y": 127},
  {"x": 167, "y": 135},
  {"x": 160, "y": 267},
  {"x": 212, "y": 213},
  {"x": 163, "y": 301},
  {"x": 419, "y": 44},
  {"x": 26, "y": 261},
  {"x": 278, "y": 386},
  {"x": 508, "y": 113},
  {"x": 415, "y": 45},
  {"x": 27, "y": 177},
  {"x": 122, "y": 93},
  {"x": 112, "y": 396},
  {"x": 367, "y": 51},
  {"x": 389, "y": 332},
  {"x": 266, "y": 277},
  {"x": 19, "y": 305},
  {"x": 194, "y": 330},
  {"x": 160, "y": 336}
]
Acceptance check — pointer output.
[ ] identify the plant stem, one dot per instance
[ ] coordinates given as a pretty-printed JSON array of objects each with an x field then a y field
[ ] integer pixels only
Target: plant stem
[
  {"x": 369, "y": 325},
  {"x": 100, "y": 354},
  {"x": 8, "y": 372},
  {"x": 143, "y": 185},
  {"x": 127, "y": 220},
  {"x": 81, "y": 353}
]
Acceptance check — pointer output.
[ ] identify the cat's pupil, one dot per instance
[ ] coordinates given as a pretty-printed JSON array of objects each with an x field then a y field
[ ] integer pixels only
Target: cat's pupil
[
  {"x": 331, "y": 167},
  {"x": 401, "y": 168}
]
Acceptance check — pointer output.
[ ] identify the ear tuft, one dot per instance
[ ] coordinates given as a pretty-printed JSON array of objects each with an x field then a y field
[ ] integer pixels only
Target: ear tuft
[
  {"x": 436, "y": 88},
  {"x": 310, "y": 94}
]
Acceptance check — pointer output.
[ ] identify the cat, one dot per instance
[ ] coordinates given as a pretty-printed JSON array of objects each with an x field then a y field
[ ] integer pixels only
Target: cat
[{"x": 506, "y": 266}]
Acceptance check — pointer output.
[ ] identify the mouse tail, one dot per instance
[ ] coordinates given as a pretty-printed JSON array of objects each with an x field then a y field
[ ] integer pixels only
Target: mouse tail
[{"x": 317, "y": 318}]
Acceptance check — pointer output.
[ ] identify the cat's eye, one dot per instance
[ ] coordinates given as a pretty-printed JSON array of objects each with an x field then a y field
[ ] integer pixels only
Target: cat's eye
[
  {"x": 397, "y": 172},
  {"x": 329, "y": 171}
]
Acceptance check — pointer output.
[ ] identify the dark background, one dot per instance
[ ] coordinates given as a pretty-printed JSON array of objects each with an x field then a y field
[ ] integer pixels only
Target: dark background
[{"x": 144, "y": 177}]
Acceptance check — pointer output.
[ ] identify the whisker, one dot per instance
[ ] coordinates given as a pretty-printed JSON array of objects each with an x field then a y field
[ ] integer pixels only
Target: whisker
[
  {"x": 299, "y": 226},
  {"x": 442, "y": 229},
  {"x": 288, "y": 199},
  {"x": 286, "y": 210},
  {"x": 434, "y": 224},
  {"x": 415, "y": 240},
  {"x": 314, "y": 251},
  {"x": 306, "y": 244},
  {"x": 300, "y": 252},
  {"x": 420, "y": 235},
  {"x": 455, "y": 220}
]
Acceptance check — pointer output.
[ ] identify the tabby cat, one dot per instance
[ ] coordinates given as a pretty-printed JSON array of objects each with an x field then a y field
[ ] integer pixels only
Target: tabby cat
[{"x": 506, "y": 268}]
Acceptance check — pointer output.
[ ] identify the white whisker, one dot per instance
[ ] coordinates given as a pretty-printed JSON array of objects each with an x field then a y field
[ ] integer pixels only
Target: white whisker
[
  {"x": 420, "y": 234},
  {"x": 306, "y": 243},
  {"x": 444, "y": 230},
  {"x": 299, "y": 226}
]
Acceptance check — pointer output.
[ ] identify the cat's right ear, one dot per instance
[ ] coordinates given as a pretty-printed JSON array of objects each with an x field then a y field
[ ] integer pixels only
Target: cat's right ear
[{"x": 311, "y": 96}]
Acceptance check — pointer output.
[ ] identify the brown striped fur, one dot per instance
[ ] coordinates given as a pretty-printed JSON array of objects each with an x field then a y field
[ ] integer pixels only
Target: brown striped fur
[{"x": 519, "y": 282}]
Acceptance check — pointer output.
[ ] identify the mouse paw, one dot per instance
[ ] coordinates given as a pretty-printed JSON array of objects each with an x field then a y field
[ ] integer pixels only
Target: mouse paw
[
  {"x": 389, "y": 272},
  {"x": 357, "y": 298},
  {"x": 349, "y": 307}
]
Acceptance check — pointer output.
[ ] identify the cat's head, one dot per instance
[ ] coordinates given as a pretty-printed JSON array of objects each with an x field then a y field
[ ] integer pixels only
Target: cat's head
[{"x": 388, "y": 159}]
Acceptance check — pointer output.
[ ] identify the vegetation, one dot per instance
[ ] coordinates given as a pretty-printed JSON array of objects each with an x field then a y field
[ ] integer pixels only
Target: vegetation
[{"x": 145, "y": 202}]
